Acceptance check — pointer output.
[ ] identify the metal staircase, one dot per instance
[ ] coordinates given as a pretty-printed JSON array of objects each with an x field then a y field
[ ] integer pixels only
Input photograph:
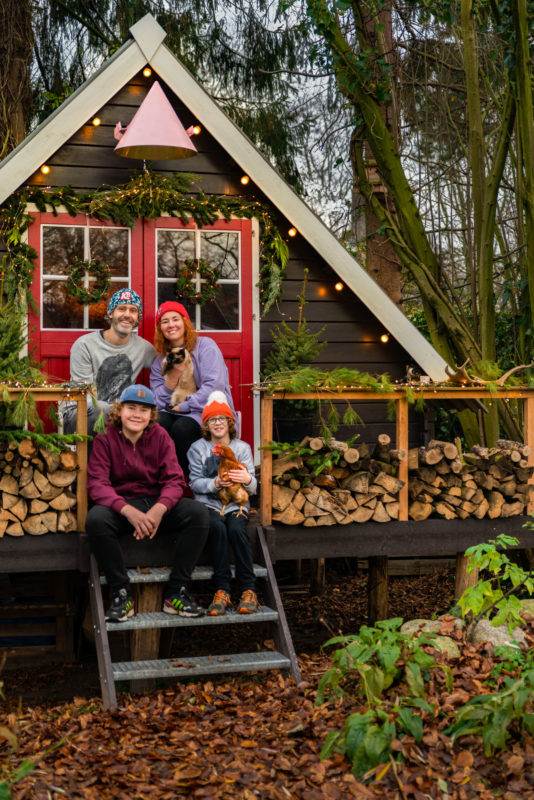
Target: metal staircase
[{"x": 190, "y": 665}]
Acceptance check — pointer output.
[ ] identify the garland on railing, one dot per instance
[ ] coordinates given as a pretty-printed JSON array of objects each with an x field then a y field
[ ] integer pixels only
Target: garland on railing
[
  {"x": 186, "y": 287},
  {"x": 147, "y": 195},
  {"x": 98, "y": 288}
]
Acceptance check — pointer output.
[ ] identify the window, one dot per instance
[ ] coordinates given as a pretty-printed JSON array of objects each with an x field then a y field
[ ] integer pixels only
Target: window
[
  {"x": 60, "y": 245},
  {"x": 220, "y": 249}
]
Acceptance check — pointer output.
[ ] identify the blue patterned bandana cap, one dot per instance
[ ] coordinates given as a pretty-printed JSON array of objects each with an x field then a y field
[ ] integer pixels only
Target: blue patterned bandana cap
[{"x": 127, "y": 296}]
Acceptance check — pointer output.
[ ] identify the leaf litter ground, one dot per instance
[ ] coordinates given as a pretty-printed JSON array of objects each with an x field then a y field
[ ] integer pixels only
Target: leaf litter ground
[{"x": 254, "y": 737}]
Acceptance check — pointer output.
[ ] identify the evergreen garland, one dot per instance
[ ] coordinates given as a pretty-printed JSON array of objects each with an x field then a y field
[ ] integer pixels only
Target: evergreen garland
[
  {"x": 186, "y": 286},
  {"x": 97, "y": 289},
  {"x": 147, "y": 195}
]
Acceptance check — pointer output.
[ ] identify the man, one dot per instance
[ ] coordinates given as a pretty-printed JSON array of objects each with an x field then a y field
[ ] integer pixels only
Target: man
[{"x": 110, "y": 360}]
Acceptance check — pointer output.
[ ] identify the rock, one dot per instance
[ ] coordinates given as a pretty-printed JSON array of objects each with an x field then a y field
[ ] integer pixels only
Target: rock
[
  {"x": 484, "y": 631},
  {"x": 414, "y": 626},
  {"x": 446, "y": 645}
]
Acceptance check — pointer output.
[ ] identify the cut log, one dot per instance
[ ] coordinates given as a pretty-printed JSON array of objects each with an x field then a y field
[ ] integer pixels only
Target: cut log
[
  {"x": 27, "y": 449},
  {"x": 63, "y": 501},
  {"x": 8, "y": 500},
  {"x": 49, "y": 519},
  {"x": 495, "y": 503},
  {"x": 317, "y": 443},
  {"x": 7, "y": 515},
  {"x": 393, "y": 509},
  {"x": 30, "y": 491},
  {"x": 481, "y": 509},
  {"x": 282, "y": 465},
  {"x": 362, "y": 514},
  {"x": 3, "y": 525},
  {"x": 298, "y": 501},
  {"x": 38, "y": 506},
  {"x": 34, "y": 525},
  {"x": 51, "y": 459},
  {"x": 413, "y": 458},
  {"x": 310, "y": 522},
  {"x": 445, "y": 510},
  {"x": 26, "y": 476},
  {"x": 420, "y": 511},
  {"x": 9, "y": 484},
  {"x": 380, "y": 513},
  {"x": 289, "y": 516},
  {"x": 311, "y": 510},
  {"x": 325, "y": 480},
  {"x": 448, "y": 449},
  {"x": 430, "y": 456},
  {"x": 390, "y": 484},
  {"x": 282, "y": 497},
  {"x": 61, "y": 477},
  {"x": 351, "y": 455},
  {"x": 68, "y": 460},
  {"x": 15, "y": 529},
  {"x": 49, "y": 492},
  {"x": 512, "y": 509},
  {"x": 20, "y": 508},
  {"x": 66, "y": 522},
  {"x": 359, "y": 482}
]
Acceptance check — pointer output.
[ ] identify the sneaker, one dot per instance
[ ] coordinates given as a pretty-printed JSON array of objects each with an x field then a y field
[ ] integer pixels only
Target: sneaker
[
  {"x": 183, "y": 604},
  {"x": 122, "y": 607},
  {"x": 248, "y": 603},
  {"x": 219, "y": 604}
]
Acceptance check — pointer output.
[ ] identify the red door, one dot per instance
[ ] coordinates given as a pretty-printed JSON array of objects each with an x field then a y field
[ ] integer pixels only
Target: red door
[{"x": 148, "y": 258}]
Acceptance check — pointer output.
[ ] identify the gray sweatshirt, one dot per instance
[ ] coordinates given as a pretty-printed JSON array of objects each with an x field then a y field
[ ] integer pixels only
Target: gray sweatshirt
[{"x": 203, "y": 469}]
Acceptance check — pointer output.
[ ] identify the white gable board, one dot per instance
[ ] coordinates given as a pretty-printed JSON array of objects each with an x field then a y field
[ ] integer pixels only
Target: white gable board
[{"x": 147, "y": 47}]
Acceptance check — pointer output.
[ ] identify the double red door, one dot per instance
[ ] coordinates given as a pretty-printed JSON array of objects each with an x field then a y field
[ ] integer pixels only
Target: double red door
[{"x": 147, "y": 258}]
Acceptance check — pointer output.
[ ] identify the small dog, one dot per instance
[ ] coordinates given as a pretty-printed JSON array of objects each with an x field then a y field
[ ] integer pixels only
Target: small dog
[{"x": 186, "y": 382}]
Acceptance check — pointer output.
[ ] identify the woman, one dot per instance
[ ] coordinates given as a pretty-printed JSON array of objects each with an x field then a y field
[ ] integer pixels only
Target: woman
[
  {"x": 137, "y": 489},
  {"x": 175, "y": 329}
]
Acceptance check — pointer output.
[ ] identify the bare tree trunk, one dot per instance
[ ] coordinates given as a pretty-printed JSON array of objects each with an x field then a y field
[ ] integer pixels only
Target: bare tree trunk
[{"x": 16, "y": 44}]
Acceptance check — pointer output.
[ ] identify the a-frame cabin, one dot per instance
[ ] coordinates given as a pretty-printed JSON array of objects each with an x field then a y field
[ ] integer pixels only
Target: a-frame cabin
[{"x": 147, "y": 256}]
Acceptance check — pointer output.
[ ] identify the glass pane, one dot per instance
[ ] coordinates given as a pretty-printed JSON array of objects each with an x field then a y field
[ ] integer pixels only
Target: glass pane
[
  {"x": 59, "y": 309},
  {"x": 110, "y": 246},
  {"x": 61, "y": 244},
  {"x": 97, "y": 311},
  {"x": 166, "y": 291},
  {"x": 220, "y": 249},
  {"x": 173, "y": 248},
  {"x": 223, "y": 313}
]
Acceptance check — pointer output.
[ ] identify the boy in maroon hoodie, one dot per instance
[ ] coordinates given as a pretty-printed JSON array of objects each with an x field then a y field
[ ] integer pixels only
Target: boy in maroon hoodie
[{"x": 137, "y": 486}]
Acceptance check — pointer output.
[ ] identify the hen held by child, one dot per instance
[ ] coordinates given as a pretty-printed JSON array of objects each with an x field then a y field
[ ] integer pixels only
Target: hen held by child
[{"x": 236, "y": 492}]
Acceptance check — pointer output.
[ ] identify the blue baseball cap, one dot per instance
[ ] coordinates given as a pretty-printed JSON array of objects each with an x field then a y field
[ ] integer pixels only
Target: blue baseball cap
[
  {"x": 125, "y": 296},
  {"x": 138, "y": 394}
]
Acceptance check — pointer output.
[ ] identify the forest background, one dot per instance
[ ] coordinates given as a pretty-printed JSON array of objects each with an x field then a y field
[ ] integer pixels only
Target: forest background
[{"x": 407, "y": 125}]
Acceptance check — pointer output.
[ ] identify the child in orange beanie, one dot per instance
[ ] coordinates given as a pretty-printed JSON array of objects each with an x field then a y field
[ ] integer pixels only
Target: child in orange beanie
[{"x": 228, "y": 522}]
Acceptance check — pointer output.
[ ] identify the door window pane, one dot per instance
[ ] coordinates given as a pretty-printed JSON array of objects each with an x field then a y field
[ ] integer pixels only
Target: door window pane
[
  {"x": 61, "y": 244},
  {"x": 220, "y": 249}
]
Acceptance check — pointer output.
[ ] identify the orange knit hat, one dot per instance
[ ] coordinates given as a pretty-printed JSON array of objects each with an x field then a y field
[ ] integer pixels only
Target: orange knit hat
[{"x": 217, "y": 406}]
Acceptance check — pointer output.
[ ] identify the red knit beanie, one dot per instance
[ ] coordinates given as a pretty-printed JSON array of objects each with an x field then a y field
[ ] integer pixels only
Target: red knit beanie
[
  {"x": 217, "y": 406},
  {"x": 171, "y": 305}
]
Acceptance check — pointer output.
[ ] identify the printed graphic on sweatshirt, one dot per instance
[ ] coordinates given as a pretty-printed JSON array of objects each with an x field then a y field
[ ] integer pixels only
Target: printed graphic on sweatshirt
[{"x": 114, "y": 374}]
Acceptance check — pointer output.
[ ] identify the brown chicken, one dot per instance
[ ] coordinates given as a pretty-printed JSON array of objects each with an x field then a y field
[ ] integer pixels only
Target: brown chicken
[{"x": 236, "y": 492}]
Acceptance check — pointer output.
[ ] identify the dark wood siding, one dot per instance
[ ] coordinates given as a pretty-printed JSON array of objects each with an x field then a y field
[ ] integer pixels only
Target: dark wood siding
[{"x": 88, "y": 161}]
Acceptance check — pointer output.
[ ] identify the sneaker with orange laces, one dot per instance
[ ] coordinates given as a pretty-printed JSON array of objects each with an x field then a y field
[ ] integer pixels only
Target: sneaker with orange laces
[
  {"x": 219, "y": 604},
  {"x": 248, "y": 603}
]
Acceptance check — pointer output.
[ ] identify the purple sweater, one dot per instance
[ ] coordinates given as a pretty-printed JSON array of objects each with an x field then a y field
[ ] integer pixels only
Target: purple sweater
[
  {"x": 210, "y": 373},
  {"x": 118, "y": 469}
]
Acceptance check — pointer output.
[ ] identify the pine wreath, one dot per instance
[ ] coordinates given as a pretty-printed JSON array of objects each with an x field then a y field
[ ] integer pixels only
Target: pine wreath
[
  {"x": 99, "y": 287},
  {"x": 185, "y": 283}
]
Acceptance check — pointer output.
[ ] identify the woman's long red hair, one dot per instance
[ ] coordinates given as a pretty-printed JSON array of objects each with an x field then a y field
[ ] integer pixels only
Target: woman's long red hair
[{"x": 190, "y": 337}]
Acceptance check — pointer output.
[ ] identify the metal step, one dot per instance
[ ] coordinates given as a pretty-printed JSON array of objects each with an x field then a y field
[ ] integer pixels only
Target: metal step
[
  {"x": 190, "y": 666},
  {"x": 161, "y": 574},
  {"x": 159, "y": 619}
]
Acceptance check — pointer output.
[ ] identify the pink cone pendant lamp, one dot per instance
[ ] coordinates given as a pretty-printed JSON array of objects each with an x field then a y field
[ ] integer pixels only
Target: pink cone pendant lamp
[{"x": 155, "y": 132}]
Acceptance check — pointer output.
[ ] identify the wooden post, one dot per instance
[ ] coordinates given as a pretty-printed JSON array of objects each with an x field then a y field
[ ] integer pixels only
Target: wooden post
[
  {"x": 377, "y": 588},
  {"x": 402, "y": 444},
  {"x": 144, "y": 644},
  {"x": 528, "y": 413},
  {"x": 81, "y": 449},
  {"x": 318, "y": 581},
  {"x": 266, "y": 487},
  {"x": 464, "y": 579}
]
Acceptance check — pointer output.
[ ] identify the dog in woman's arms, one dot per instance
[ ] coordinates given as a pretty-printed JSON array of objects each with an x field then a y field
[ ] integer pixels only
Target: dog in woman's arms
[{"x": 186, "y": 382}]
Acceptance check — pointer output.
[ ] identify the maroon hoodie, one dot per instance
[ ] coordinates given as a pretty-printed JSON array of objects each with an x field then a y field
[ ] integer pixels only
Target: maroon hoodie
[{"x": 118, "y": 469}]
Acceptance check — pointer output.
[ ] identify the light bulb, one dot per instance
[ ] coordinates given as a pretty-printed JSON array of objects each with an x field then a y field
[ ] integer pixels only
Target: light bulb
[
  {"x": 292, "y": 232},
  {"x": 45, "y": 169},
  {"x": 245, "y": 179},
  {"x": 96, "y": 121},
  {"x": 339, "y": 287},
  {"x": 384, "y": 338},
  {"x": 147, "y": 72}
]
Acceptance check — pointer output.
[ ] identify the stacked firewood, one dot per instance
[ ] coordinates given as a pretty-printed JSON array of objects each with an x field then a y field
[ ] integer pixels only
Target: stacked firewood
[
  {"x": 35, "y": 487},
  {"x": 356, "y": 485},
  {"x": 485, "y": 482}
]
